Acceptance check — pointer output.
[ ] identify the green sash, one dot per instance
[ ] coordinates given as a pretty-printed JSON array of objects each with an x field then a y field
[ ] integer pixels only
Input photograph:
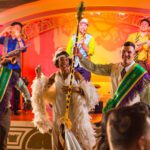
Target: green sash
[
  {"x": 134, "y": 74},
  {"x": 5, "y": 75}
]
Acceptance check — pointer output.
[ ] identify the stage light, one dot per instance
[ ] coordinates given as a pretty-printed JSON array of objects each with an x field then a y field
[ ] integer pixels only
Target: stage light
[
  {"x": 121, "y": 14},
  {"x": 91, "y": 13},
  {"x": 98, "y": 13}
]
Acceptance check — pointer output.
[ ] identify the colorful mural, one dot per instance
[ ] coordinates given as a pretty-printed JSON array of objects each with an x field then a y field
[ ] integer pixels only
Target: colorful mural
[{"x": 46, "y": 34}]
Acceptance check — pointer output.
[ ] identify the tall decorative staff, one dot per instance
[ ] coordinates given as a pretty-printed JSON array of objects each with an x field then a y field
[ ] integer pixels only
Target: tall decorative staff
[{"x": 65, "y": 121}]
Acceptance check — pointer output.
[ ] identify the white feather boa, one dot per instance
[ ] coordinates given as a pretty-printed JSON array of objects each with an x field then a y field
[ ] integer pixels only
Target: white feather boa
[
  {"x": 81, "y": 107},
  {"x": 41, "y": 119},
  {"x": 91, "y": 95}
]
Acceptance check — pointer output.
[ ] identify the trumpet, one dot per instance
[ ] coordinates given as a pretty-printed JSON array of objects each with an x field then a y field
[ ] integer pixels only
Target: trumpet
[{"x": 11, "y": 60}]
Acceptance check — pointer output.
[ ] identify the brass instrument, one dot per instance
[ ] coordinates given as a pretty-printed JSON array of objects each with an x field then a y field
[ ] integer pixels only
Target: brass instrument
[
  {"x": 11, "y": 57},
  {"x": 11, "y": 60}
]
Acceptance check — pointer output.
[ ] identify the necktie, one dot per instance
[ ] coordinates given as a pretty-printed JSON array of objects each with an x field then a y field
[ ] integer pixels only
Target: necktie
[{"x": 123, "y": 72}]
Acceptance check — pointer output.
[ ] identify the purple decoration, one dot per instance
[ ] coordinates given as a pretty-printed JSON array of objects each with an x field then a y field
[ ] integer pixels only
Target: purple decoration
[{"x": 138, "y": 88}]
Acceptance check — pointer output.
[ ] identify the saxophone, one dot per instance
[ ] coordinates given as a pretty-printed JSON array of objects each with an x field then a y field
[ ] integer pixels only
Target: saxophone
[
  {"x": 12, "y": 60},
  {"x": 11, "y": 57}
]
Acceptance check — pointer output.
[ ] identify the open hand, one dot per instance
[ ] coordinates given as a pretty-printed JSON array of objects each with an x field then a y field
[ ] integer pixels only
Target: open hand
[
  {"x": 38, "y": 71},
  {"x": 138, "y": 46}
]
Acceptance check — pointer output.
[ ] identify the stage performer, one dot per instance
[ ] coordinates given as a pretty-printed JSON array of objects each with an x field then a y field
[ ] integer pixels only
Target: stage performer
[
  {"x": 86, "y": 45},
  {"x": 53, "y": 89},
  {"x": 8, "y": 80},
  {"x": 11, "y": 38},
  {"x": 130, "y": 82},
  {"x": 141, "y": 39},
  {"x": 137, "y": 91}
]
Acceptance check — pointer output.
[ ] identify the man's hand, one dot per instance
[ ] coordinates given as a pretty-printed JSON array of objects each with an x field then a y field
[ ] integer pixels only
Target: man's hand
[
  {"x": 138, "y": 46},
  {"x": 77, "y": 52},
  {"x": 7, "y": 31},
  {"x": 78, "y": 76},
  {"x": 81, "y": 41},
  {"x": 38, "y": 71}
]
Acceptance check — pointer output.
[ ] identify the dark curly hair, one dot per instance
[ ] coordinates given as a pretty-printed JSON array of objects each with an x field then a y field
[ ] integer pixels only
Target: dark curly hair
[{"x": 59, "y": 54}]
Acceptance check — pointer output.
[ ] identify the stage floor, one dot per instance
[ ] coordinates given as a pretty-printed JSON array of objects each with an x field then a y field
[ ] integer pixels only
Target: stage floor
[
  {"x": 24, "y": 136},
  {"x": 28, "y": 116},
  {"x": 23, "y": 116}
]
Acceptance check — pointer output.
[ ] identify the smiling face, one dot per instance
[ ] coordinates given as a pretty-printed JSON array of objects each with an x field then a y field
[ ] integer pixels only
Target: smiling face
[
  {"x": 144, "y": 26},
  {"x": 63, "y": 63},
  {"x": 83, "y": 28},
  {"x": 128, "y": 54}
]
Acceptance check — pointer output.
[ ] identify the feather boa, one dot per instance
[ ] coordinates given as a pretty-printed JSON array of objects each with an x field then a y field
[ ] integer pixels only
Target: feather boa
[
  {"x": 41, "y": 119},
  {"x": 91, "y": 95},
  {"x": 81, "y": 107}
]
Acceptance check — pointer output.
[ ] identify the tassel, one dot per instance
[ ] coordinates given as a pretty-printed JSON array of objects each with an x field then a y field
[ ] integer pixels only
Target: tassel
[{"x": 66, "y": 121}]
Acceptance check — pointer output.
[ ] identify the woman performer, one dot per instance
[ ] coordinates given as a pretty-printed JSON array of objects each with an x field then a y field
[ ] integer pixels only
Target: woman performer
[{"x": 53, "y": 90}]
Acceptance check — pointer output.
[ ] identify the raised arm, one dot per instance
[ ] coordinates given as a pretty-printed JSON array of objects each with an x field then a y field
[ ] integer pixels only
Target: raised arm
[
  {"x": 48, "y": 81},
  {"x": 5, "y": 32},
  {"x": 41, "y": 118},
  {"x": 38, "y": 71},
  {"x": 99, "y": 69}
]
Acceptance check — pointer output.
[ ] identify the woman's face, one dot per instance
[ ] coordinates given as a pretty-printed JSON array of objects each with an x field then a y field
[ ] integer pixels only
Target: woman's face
[{"x": 63, "y": 63}]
